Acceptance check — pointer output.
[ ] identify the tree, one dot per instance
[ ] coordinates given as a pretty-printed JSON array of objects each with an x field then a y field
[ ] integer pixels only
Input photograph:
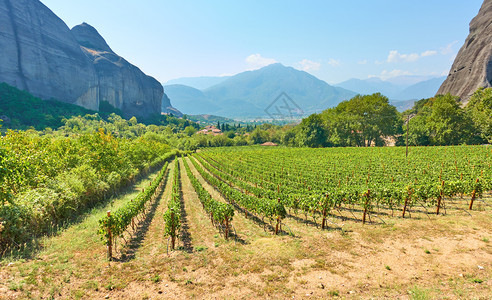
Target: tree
[
  {"x": 440, "y": 121},
  {"x": 133, "y": 121},
  {"x": 480, "y": 110},
  {"x": 362, "y": 121},
  {"x": 448, "y": 123},
  {"x": 311, "y": 132},
  {"x": 189, "y": 130},
  {"x": 418, "y": 133},
  {"x": 259, "y": 136}
]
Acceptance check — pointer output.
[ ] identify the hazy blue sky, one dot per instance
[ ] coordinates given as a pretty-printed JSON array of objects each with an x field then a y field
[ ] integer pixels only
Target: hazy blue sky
[{"x": 333, "y": 40}]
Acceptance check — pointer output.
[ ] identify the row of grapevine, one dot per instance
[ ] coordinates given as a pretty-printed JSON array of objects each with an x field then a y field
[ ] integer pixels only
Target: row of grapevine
[
  {"x": 266, "y": 208},
  {"x": 172, "y": 216},
  {"x": 220, "y": 213},
  {"x": 46, "y": 180},
  {"x": 116, "y": 223},
  {"x": 312, "y": 201},
  {"x": 308, "y": 203},
  {"x": 319, "y": 180}
]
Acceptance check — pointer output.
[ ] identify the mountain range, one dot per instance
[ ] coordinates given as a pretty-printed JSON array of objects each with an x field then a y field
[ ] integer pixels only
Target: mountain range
[
  {"x": 250, "y": 94},
  {"x": 400, "y": 88},
  {"x": 201, "y": 82}
]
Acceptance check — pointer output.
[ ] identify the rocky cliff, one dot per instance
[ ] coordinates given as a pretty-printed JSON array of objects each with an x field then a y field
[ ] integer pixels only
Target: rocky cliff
[
  {"x": 120, "y": 83},
  {"x": 472, "y": 67},
  {"x": 41, "y": 55}
]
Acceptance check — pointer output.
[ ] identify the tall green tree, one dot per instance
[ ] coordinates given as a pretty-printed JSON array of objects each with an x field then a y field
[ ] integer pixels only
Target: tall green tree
[
  {"x": 480, "y": 110},
  {"x": 311, "y": 132},
  {"x": 362, "y": 121},
  {"x": 259, "y": 136},
  {"x": 440, "y": 121},
  {"x": 448, "y": 122}
]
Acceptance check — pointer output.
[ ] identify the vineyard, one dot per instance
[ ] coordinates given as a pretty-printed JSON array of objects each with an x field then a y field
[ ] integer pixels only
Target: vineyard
[
  {"x": 252, "y": 222},
  {"x": 323, "y": 182},
  {"x": 46, "y": 181}
]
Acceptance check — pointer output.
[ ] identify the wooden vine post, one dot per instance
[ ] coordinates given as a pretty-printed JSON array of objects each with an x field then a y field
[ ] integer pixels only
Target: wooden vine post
[
  {"x": 440, "y": 198},
  {"x": 406, "y": 203},
  {"x": 276, "y": 226},
  {"x": 173, "y": 234},
  {"x": 474, "y": 194},
  {"x": 227, "y": 228},
  {"x": 278, "y": 221},
  {"x": 324, "y": 214},
  {"x": 133, "y": 220},
  {"x": 365, "y": 207},
  {"x": 110, "y": 238}
]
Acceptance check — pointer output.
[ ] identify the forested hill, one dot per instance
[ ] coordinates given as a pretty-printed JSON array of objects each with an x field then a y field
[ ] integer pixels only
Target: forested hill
[{"x": 21, "y": 110}]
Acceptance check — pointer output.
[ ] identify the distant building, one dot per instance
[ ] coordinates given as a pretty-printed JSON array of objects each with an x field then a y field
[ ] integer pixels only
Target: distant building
[
  {"x": 269, "y": 144},
  {"x": 211, "y": 130}
]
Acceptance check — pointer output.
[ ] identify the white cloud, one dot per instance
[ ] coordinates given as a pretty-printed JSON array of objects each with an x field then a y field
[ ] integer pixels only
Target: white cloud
[
  {"x": 308, "y": 65},
  {"x": 378, "y": 62},
  {"x": 334, "y": 62},
  {"x": 448, "y": 49},
  {"x": 362, "y": 62},
  {"x": 385, "y": 74},
  {"x": 394, "y": 57},
  {"x": 428, "y": 53},
  {"x": 256, "y": 61}
]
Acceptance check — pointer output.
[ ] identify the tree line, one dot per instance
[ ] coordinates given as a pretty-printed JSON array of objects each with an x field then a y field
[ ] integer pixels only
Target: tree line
[{"x": 370, "y": 120}]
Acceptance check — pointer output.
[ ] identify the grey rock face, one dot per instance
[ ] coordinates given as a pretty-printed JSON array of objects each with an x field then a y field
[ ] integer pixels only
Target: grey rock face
[
  {"x": 41, "y": 56},
  {"x": 120, "y": 83},
  {"x": 472, "y": 67},
  {"x": 88, "y": 37}
]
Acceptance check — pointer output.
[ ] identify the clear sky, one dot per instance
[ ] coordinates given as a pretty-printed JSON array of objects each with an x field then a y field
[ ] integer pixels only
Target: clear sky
[{"x": 333, "y": 40}]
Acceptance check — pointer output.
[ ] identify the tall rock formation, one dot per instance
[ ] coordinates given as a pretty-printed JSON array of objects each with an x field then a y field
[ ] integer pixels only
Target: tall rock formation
[
  {"x": 41, "y": 55},
  {"x": 120, "y": 83},
  {"x": 472, "y": 67}
]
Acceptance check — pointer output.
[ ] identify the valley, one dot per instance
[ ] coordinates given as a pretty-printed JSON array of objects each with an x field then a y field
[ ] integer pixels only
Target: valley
[{"x": 246, "y": 149}]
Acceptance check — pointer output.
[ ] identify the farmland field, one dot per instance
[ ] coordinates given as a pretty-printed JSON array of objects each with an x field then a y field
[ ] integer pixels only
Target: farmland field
[{"x": 279, "y": 223}]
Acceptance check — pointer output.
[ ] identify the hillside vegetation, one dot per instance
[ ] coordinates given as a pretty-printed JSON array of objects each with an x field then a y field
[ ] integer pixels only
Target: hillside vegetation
[{"x": 21, "y": 110}]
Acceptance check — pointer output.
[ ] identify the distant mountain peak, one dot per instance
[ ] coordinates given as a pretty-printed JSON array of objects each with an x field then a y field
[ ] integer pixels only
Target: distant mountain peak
[
  {"x": 251, "y": 93},
  {"x": 275, "y": 65},
  {"x": 374, "y": 79}
]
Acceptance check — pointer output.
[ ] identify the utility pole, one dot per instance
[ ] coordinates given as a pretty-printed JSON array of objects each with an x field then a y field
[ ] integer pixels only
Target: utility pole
[{"x": 408, "y": 121}]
